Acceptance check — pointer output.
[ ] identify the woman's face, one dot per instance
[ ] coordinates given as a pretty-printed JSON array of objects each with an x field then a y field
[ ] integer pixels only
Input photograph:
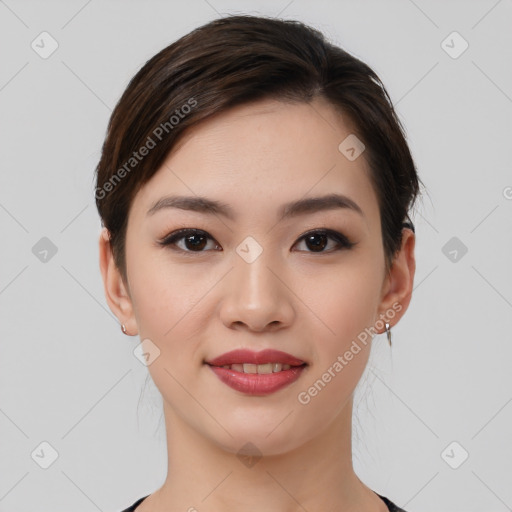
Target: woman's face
[{"x": 251, "y": 280}]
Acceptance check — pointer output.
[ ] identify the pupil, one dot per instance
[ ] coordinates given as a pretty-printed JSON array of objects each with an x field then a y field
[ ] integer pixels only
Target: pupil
[
  {"x": 321, "y": 245},
  {"x": 200, "y": 245}
]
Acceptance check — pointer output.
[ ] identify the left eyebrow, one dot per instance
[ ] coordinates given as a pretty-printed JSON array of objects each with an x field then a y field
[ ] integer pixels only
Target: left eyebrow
[
  {"x": 288, "y": 210},
  {"x": 316, "y": 204}
]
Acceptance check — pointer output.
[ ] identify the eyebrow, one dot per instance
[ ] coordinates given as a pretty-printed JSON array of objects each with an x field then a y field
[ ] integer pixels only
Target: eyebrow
[{"x": 288, "y": 210}]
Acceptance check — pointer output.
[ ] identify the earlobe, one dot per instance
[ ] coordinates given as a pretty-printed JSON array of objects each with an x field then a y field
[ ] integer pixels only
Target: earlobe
[
  {"x": 397, "y": 290},
  {"x": 116, "y": 292}
]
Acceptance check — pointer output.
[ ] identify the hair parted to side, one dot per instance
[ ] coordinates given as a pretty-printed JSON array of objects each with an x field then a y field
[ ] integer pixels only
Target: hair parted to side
[{"x": 240, "y": 59}]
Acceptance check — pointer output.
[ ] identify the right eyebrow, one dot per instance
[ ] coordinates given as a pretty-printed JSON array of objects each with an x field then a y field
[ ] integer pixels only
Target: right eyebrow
[{"x": 193, "y": 203}]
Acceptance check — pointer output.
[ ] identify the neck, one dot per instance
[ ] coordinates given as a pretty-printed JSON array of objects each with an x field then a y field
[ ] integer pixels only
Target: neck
[{"x": 318, "y": 475}]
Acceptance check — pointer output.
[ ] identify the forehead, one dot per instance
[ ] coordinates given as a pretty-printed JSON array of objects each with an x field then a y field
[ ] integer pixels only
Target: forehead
[{"x": 269, "y": 151}]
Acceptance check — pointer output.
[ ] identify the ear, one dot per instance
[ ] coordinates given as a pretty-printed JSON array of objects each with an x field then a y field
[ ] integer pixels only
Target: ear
[
  {"x": 116, "y": 291},
  {"x": 398, "y": 284}
]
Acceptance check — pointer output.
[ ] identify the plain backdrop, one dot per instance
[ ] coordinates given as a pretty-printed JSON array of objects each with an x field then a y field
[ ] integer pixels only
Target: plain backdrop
[{"x": 433, "y": 414}]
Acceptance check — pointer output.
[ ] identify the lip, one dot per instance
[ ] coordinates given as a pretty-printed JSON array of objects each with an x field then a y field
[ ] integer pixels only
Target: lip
[
  {"x": 241, "y": 356},
  {"x": 258, "y": 384}
]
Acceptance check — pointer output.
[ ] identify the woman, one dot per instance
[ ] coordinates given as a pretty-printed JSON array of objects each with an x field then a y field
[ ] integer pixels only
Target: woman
[{"x": 254, "y": 188}]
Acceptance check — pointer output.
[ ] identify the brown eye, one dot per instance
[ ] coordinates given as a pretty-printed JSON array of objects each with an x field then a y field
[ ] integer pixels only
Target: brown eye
[
  {"x": 194, "y": 240},
  {"x": 318, "y": 240}
]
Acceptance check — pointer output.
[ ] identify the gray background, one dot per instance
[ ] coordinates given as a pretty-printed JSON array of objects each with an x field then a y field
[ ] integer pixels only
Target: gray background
[{"x": 68, "y": 376}]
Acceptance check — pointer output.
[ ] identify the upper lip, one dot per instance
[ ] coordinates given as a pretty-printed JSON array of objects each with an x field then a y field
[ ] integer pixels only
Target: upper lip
[{"x": 241, "y": 356}]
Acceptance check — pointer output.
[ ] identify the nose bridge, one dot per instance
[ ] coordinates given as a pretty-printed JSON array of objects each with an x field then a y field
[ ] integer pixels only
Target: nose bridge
[
  {"x": 256, "y": 283},
  {"x": 255, "y": 295}
]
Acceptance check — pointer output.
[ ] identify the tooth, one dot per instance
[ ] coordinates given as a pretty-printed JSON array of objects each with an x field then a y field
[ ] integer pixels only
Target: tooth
[
  {"x": 250, "y": 368},
  {"x": 265, "y": 368}
]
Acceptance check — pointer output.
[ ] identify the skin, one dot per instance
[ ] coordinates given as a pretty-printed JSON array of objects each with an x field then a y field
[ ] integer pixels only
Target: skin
[{"x": 197, "y": 305}]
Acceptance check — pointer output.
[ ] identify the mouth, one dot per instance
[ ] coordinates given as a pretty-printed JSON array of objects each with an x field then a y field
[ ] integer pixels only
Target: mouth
[
  {"x": 250, "y": 359},
  {"x": 257, "y": 373}
]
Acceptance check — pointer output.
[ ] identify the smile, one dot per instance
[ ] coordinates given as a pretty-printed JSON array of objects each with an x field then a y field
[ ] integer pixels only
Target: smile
[
  {"x": 254, "y": 379},
  {"x": 258, "y": 368}
]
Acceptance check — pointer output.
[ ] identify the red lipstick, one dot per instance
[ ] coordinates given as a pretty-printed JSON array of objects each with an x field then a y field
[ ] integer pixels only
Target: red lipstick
[
  {"x": 241, "y": 356},
  {"x": 274, "y": 376}
]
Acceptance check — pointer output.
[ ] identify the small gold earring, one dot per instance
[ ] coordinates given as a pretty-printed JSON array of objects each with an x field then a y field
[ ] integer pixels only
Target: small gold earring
[{"x": 123, "y": 328}]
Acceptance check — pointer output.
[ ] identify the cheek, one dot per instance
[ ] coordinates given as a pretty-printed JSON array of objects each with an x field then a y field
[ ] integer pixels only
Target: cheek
[
  {"x": 166, "y": 306},
  {"x": 346, "y": 300},
  {"x": 347, "y": 305},
  {"x": 157, "y": 294},
  {"x": 166, "y": 303}
]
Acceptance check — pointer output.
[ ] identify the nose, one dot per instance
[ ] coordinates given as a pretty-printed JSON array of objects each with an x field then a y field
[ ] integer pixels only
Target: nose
[{"x": 257, "y": 297}]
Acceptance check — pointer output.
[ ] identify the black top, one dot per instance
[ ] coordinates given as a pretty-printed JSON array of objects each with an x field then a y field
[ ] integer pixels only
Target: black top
[{"x": 391, "y": 506}]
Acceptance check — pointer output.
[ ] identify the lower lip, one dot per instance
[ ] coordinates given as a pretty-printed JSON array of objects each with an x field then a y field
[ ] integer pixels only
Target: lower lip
[{"x": 258, "y": 383}]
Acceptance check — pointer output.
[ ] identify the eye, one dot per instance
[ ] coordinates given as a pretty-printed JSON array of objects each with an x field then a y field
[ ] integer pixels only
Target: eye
[
  {"x": 318, "y": 240},
  {"x": 195, "y": 240}
]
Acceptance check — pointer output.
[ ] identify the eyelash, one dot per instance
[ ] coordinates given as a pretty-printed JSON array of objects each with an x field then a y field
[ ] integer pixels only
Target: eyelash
[{"x": 343, "y": 242}]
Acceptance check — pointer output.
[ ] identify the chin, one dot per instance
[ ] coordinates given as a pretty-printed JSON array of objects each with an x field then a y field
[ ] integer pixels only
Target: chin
[{"x": 254, "y": 442}]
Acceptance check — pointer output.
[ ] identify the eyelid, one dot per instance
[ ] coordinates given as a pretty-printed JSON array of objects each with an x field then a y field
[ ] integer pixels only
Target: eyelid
[
  {"x": 170, "y": 239},
  {"x": 326, "y": 231}
]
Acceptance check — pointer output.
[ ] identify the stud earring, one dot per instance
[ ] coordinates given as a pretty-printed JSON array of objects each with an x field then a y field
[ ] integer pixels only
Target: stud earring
[
  {"x": 388, "y": 332},
  {"x": 123, "y": 328}
]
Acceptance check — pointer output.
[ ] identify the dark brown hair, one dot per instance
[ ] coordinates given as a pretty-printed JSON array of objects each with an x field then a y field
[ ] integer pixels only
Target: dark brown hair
[{"x": 241, "y": 59}]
